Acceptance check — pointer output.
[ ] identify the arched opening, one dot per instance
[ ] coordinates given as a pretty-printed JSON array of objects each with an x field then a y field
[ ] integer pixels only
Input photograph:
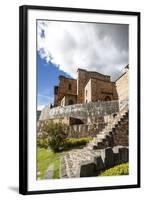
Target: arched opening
[
  {"x": 70, "y": 102},
  {"x": 107, "y": 98}
]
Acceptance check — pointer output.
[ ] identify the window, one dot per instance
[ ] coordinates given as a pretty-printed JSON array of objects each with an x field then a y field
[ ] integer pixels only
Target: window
[{"x": 69, "y": 86}]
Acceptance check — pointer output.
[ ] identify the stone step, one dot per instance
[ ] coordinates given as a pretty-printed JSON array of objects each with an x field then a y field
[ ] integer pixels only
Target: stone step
[
  {"x": 90, "y": 147},
  {"x": 104, "y": 137},
  {"x": 100, "y": 140},
  {"x": 123, "y": 122}
]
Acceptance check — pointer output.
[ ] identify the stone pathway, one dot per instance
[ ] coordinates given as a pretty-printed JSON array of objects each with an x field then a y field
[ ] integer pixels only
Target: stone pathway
[
  {"x": 49, "y": 172},
  {"x": 72, "y": 160}
]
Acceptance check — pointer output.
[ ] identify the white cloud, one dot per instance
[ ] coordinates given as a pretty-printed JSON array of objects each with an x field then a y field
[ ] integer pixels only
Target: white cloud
[
  {"x": 96, "y": 47},
  {"x": 40, "y": 107}
]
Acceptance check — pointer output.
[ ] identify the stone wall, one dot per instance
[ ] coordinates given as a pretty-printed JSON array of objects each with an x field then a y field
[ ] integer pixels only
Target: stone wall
[
  {"x": 69, "y": 121},
  {"x": 82, "y": 78},
  {"x": 100, "y": 90},
  {"x": 106, "y": 159},
  {"x": 91, "y": 124},
  {"x": 81, "y": 111},
  {"x": 103, "y": 90},
  {"x": 75, "y": 130},
  {"x": 69, "y": 100},
  {"x": 108, "y": 131},
  {"x": 122, "y": 87},
  {"x": 85, "y": 130}
]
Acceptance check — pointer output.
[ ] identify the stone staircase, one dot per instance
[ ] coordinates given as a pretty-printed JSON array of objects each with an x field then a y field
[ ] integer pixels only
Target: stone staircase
[
  {"x": 106, "y": 138},
  {"x": 114, "y": 134}
]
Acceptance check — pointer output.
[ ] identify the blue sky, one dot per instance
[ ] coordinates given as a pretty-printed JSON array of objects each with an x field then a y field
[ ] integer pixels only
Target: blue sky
[{"x": 47, "y": 77}]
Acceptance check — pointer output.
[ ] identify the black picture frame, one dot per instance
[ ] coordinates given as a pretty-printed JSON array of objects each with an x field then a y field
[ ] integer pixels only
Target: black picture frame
[{"x": 23, "y": 97}]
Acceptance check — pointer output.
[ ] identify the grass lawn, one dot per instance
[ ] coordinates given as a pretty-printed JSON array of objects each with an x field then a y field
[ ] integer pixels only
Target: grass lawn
[{"x": 45, "y": 158}]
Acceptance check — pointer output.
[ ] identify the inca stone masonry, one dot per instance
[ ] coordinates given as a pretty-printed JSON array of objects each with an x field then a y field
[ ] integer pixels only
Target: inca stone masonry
[{"x": 87, "y": 104}]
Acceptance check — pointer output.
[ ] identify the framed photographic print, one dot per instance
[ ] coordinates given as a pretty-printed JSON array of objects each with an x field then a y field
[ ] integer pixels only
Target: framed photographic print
[{"x": 79, "y": 99}]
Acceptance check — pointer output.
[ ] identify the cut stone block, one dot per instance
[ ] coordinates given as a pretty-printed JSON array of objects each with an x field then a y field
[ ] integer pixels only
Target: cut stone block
[
  {"x": 107, "y": 157},
  {"x": 116, "y": 154},
  {"x": 99, "y": 165},
  {"x": 123, "y": 152},
  {"x": 87, "y": 169}
]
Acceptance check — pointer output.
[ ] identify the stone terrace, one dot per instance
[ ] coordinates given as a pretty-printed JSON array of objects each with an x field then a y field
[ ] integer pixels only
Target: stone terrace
[{"x": 114, "y": 134}]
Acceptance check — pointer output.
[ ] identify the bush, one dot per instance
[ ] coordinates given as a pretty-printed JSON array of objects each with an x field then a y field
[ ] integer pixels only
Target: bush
[
  {"x": 68, "y": 143},
  {"x": 75, "y": 142},
  {"x": 42, "y": 142},
  {"x": 55, "y": 134},
  {"x": 122, "y": 169}
]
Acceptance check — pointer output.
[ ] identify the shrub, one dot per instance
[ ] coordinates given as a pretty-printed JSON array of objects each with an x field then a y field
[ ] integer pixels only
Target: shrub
[
  {"x": 42, "y": 142},
  {"x": 122, "y": 169},
  {"x": 75, "y": 142},
  {"x": 68, "y": 143},
  {"x": 56, "y": 133}
]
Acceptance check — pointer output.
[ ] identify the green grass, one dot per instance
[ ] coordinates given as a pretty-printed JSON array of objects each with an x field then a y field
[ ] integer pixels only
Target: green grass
[
  {"x": 47, "y": 157},
  {"x": 44, "y": 159},
  {"x": 122, "y": 169}
]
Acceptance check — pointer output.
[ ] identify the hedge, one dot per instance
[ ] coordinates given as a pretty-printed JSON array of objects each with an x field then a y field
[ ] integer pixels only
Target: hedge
[{"x": 122, "y": 169}]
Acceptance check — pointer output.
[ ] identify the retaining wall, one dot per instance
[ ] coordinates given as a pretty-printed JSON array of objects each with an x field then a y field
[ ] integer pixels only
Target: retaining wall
[{"x": 107, "y": 158}]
